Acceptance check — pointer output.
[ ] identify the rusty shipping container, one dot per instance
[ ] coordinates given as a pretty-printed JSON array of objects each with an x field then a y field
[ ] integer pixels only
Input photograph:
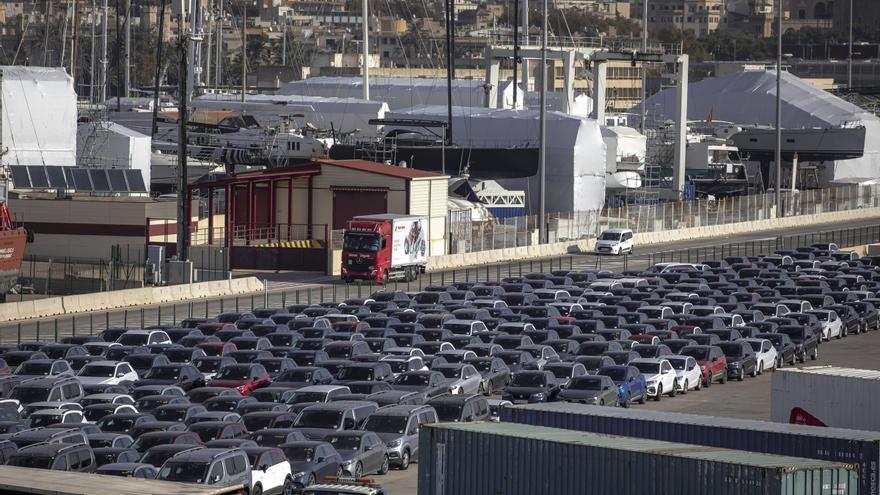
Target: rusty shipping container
[
  {"x": 829, "y": 444},
  {"x": 514, "y": 459}
]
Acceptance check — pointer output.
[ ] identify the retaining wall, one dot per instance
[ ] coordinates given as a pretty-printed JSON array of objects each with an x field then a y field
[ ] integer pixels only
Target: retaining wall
[
  {"x": 451, "y": 261},
  {"x": 103, "y": 301}
]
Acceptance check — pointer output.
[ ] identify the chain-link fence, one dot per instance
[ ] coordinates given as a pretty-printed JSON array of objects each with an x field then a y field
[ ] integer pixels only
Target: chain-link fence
[{"x": 467, "y": 235}]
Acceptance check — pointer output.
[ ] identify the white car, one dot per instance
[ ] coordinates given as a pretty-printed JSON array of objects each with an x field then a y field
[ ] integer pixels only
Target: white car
[
  {"x": 270, "y": 470},
  {"x": 461, "y": 378},
  {"x": 659, "y": 375},
  {"x": 615, "y": 241},
  {"x": 765, "y": 354},
  {"x": 832, "y": 325},
  {"x": 687, "y": 371},
  {"x": 106, "y": 373}
]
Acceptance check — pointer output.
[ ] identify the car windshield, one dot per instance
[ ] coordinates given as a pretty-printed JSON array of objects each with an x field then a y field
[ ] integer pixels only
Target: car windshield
[
  {"x": 163, "y": 373},
  {"x": 356, "y": 373},
  {"x": 413, "y": 379},
  {"x": 183, "y": 471},
  {"x": 234, "y": 373},
  {"x": 170, "y": 414},
  {"x": 32, "y": 368},
  {"x": 483, "y": 365},
  {"x": 296, "y": 376},
  {"x": 157, "y": 457},
  {"x": 756, "y": 346},
  {"x": 254, "y": 423},
  {"x": 141, "y": 361},
  {"x": 116, "y": 424},
  {"x": 272, "y": 366},
  {"x": 386, "y": 424},
  {"x": 450, "y": 372},
  {"x": 511, "y": 358},
  {"x": 678, "y": 364},
  {"x": 398, "y": 366},
  {"x": 345, "y": 442},
  {"x": 528, "y": 380},
  {"x": 731, "y": 349},
  {"x": 39, "y": 420},
  {"x": 616, "y": 374},
  {"x": 458, "y": 327},
  {"x": 299, "y": 454},
  {"x": 150, "y": 404},
  {"x": 361, "y": 243},
  {"x": 592, "y": 363},
  {"x": 448, "y": 412},
  {"x": 31, "y": 462},
  {"x": 586, "y": 383},
  {"x": 101, "y": 371},
  {"x": 426, "y": 297},
  {"x": 698, "y": 354},
  {"x": 610, "y": 236},
  {"x": 132, "y": 339},
  {"x": 319, "y": 419},
  {"x": 26, "y": 395},
  {"x": 648, "y": 368},
  {"x": 207, "y": 365},
  {"x": 305, "y": 397}
]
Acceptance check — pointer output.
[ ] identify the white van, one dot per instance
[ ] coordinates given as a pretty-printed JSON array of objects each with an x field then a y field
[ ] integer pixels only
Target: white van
[{"x": 615, "y": 241}]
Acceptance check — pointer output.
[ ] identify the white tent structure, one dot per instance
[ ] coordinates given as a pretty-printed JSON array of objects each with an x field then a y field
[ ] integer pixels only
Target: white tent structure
[
  {"x": 346, "y": 115},
  {"x": 403, "y": 92},
  {"x": 749, "y": 98},
  {"x": 110, "y": 145},
  {"x": 575, "y": 150},
  {"x": 39, "y": 116}
]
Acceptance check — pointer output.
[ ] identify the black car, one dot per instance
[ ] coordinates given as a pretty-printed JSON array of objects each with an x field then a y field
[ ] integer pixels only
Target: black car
[
  {"x": 741, "y": 359},
  {"x": 805, "y": 341},
  {"x": 495, "y": 373},
  {"x": 185, "y": 376},
  {"x": 786, "y": 351},
  {"x": 531, "y": 386}
]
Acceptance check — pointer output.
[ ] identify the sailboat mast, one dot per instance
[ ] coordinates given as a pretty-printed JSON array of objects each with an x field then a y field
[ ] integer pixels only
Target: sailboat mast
[
  {"x": 104, "y": 62},
  {"x": 515, "y": 50},
  {"x": 127, "y": 60},
  {"x": 366, "y": 47},
  {"x": 92, "y": 66},
  {"x": 542, "y": 150},
  {"x": 450, "y": 63}
]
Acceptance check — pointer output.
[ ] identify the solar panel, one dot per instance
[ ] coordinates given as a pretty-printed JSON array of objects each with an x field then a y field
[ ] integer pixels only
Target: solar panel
[
  {"x": 100, "y": 181},
  {"x": 117, "y": 180},
  {"x": 39, "y": 178},
  {"x": 81, "y": 180},
  {"x": 135, "y": 181},
  {"x": 20, "y": 177},
  {"x": 56, "y": 177}
]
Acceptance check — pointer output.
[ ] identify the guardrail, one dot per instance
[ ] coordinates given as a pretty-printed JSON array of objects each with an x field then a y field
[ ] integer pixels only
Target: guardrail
[{"x": 171, "y": 313}]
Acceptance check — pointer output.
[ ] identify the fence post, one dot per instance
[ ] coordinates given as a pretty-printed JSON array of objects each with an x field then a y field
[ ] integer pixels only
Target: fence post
[
  {"x": 56, "y": 329},
  {"x": 19, "y": 334},
  {"x": 125, "y": 318},
  {"x": 73, "y": 324}
]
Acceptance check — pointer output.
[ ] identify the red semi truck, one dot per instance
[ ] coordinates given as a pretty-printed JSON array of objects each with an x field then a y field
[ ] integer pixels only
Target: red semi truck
[{"x": 385, "y": 247}]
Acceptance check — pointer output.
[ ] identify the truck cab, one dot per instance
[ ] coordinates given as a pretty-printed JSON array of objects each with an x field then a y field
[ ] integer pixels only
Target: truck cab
[{"x": 384, "y": 247}]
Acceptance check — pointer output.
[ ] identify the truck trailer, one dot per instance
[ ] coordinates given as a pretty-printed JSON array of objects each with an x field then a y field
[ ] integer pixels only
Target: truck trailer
[{"x": 385, "y": 247}]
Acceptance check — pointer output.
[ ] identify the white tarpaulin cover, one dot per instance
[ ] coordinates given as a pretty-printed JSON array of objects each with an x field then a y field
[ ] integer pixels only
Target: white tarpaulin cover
[
  {"x": 403, "y": 92},
  {"x": 110, "y": 145},
  {"x": 342, "y": 114},
  {"x": 39, "y": 116},
  {"x": 749, "y": 98},
  {"x": 575, "y": 150}
]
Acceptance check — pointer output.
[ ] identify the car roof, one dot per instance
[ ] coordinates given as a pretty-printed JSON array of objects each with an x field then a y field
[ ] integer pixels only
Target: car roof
[
  {"x": 341, "y": 405},
  {"x": 320, "y": 388},
  {"x": 205, "y": 454}
]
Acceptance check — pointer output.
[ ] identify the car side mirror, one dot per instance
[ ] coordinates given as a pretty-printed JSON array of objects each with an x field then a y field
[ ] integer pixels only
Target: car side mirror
[
  {"x": 368, "y": 448},
  {"x": 320, "y": 459},
  {"x": 264, "y": 467},
  {"x": 348, "y": 424}
]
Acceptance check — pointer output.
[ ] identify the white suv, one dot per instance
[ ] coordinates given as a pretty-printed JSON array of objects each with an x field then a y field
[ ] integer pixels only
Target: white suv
[
  {"x": 659, "y": 375},
  {"x": 615, "y": 241}
]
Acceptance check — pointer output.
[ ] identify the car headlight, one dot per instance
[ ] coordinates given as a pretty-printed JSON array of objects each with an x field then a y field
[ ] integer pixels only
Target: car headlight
[
  {"x": 538, "y": 396},
  {"x": 240, "y": 388},
  {"x": 733, "y": 365},
  {"x": 394, "y": 443},
  {"x": 299, "y": 476}
]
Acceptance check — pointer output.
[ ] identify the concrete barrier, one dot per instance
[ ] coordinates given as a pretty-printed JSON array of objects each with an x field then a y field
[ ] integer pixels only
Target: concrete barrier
[
  {"x": 9, "y": 311},
  {"x": 51, "y": 306}
]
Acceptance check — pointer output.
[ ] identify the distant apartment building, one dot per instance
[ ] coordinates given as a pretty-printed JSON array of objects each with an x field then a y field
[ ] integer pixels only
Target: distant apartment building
[
  {"x": 602, "y": 8},
  {"x": 698, "y": 16}
]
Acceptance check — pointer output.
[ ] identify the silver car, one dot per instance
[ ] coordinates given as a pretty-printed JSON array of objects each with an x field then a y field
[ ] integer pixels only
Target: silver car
[
  {"x": 461, "y": 378},
  {"x": 398, "y": 427}
]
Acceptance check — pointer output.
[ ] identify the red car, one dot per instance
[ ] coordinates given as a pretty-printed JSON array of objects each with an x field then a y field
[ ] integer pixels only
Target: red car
[
  {"x": 242, "y": 377},
  {"x": 217, "y": 348},
  {"x": 712, "y": 361},
  {"x": 644, "y": 338}
]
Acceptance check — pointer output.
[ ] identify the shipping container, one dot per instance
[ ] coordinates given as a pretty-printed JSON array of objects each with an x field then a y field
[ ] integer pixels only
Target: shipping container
[
  {"x": 827, "y": 396},
  {"x": 829, "y": 444},
  {"x": 512, "y": 459}
]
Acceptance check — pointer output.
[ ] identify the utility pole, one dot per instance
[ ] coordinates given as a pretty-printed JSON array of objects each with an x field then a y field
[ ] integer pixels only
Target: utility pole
[
  {"x": 450, "y": 62},
  {"x": 365, "y": 18},
  {"x": 92, "y": 65},
  {"x": 284, "y": 44},
  {"x": 127, "y": 60},
  {"x": 210, "y": 33},
  {"x": 243, "y": 51},
  {"x": 74, "y": 34},
  {"x": 849, "y": 59},
  {"x": 157, "y": 79},
  {"x": 515, "y": 51},
  {"x": 542, "y": 134},
  {"x": 48, "y": 14},
  {"x": 778, "y": 186},
  {"x": 644, "y": 64},
  {"x": 218, "y": 66},
  {"x": 118, "y": 65},
  {"x": 183, "y": 118},
  {"x": 104, "y": 61}
]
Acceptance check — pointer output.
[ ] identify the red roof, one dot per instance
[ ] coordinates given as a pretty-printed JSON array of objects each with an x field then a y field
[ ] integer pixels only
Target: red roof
[{"x": 382, "y": 169}]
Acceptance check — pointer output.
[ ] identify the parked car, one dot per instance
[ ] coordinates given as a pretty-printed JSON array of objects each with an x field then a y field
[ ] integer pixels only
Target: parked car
[
  {"x": 630, "y": 383},
  {"x": 589, "y": 389},
  {"x": 659, "y": 375},
  {"x": 688, "y": 372}
]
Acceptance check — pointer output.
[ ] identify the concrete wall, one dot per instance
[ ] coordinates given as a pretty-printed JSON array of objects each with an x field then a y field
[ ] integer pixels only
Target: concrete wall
[{"x": 436, "y": 263}]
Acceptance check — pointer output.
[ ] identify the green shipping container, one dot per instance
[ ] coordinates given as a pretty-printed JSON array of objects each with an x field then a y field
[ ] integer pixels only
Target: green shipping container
[{"x": 513, "y": 459}]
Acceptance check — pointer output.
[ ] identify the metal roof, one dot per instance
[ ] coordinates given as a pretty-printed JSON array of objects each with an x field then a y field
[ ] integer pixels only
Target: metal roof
[
  {"x": 382, "y": 169},
  {"x": 698, "y": 452},
  {"x": 836, "y": 371}
]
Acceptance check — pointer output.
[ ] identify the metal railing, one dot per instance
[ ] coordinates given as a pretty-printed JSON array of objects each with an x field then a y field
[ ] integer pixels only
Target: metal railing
[
  {"x": 171, "y": 314},
  {"x": 655, "y": 216}
]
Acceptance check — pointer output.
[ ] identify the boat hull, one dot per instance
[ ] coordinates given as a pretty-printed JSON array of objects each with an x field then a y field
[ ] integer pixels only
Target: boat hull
[{"x": 843, "y": 143}]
